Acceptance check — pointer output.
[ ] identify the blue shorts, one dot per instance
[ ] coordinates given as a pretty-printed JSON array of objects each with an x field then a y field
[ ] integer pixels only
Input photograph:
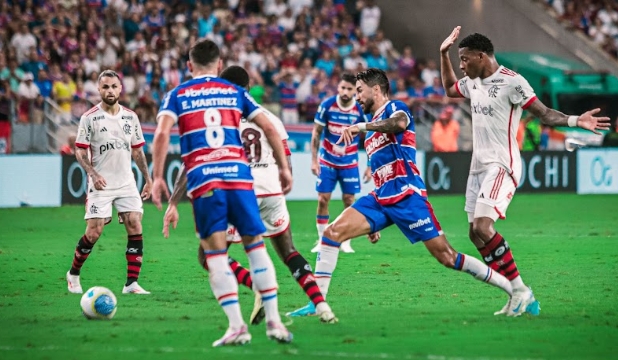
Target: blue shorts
[
  {"x": 348, "y": 179},
  {"x": 212, "y": 213},
  {"x": 413, "y": 216}
]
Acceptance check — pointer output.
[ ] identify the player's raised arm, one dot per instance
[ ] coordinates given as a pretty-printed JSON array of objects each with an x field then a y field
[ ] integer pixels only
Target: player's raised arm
[
  {"x": 449, "y": 79},
  {"x": 586, "y": 120}
]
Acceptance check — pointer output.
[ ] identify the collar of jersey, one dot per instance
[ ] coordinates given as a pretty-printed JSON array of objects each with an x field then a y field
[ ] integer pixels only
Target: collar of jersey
[
  {"x": 490, "y": 77},
  {"x": 380, "y": 110},
  {"x": 204, "y": 76}
]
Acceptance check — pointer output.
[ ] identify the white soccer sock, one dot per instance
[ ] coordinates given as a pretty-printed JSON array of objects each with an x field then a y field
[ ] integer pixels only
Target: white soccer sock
[
  {"x": 326, "y": 263},
  {"x": 264, "y": 279},
  {"x": 482, "y": 272},
  {"x": 518, "y": 284},
  {"x": 224, "y": 286},
  {"x": 321, "y": 222}
]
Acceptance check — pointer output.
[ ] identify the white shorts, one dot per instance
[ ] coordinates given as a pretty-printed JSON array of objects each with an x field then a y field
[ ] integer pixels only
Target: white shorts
[
  {"x": 99, "y": 203},
  {"x": 488, "y": 194},
  {"x": 274, "y": 214}
]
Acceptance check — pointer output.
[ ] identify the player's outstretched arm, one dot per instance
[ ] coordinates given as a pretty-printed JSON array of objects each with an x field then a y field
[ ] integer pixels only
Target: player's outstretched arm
[
  {"x": 276, "y": 143},
  {"x": 449, "y": 79},
  {"x": 315, "y": 146},
  {"x": 140, "y": 160},
  {"x": 160, "y": 145},
  {"x": 395, "y": 124},
  {"x": 587, "y": 120},
  {"x": 84, "y": 160}
]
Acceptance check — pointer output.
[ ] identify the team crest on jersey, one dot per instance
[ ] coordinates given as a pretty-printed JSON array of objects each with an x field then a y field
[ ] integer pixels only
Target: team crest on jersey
[
  {"x": 493, "y": 91},
  {"x": 127, "y": 129}
]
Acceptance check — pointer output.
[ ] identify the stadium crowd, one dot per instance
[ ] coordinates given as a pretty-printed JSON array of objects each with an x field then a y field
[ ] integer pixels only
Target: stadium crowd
[{"x": 295, "y": 51}]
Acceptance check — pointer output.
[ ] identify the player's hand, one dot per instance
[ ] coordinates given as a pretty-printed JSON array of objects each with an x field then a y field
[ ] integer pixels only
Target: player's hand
[
  {"x": 367, "y": 175},
  {"x": 374, "y": 237},
  {"x": 348, "y": 134},
  {"x": 450, "y": 40},
  {"x": 315, "y": 168},
  {"x": 159, "y": 187},
  {"x": 285, "y": 176},
  {"x": 171, "y": 217},
  {"x": 589, "y": 122},
  {"x": 98, "y": 182},
  {"x": 147, "y": 190}
]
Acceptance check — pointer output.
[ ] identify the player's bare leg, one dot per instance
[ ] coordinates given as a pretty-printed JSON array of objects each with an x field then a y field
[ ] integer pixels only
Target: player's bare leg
[
  {"x": 442, "y": 250},
  {"x": 497, "y": 255},
  {"x": 301, "y": 271},
  {"x": 348, "y": 200},
  {"x": 322, "y": 217},
  {"x": 94, "y": 229},
  {"x": 133, "y": 224},
  {"x": 265, "y": 281},
  {"x": 225, "y": 288}
]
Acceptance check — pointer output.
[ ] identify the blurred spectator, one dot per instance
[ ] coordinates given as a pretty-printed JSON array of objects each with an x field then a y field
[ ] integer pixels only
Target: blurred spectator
[
  {"x": 369, "y": 18},
  {"x": 23, "y": 41},
  {"x": 435, "y": 90},
  {"x": 376, "y": 60},
  {"x": 12, "y": 74},
  {"x": 27, "y": 95},
  {"x": 33, "y": 65},
  {"x": 69, "y": 147},
  {"x": 445, "y": 132},
  {"x": 44, "y": 84},
  {"x": 430, "y": 73},
  {"x": 287, "y": 87},
  {"x": 63, "y": 92}
]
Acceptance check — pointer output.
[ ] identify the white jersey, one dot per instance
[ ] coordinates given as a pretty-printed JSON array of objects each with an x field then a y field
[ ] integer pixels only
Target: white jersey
[
  {"x": 110, "y": 140},
  {"x": 496, "y": 103},
  {"x": 261, "y": 155}
]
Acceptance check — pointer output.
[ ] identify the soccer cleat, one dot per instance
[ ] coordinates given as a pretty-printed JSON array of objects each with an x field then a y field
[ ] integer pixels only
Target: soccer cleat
[
  {"x": 325, "y": 313},
  {"x": 308, "y": 310},
  {"x": 258, "y": 314},
  {"x": 523, "y": 301},
  {"x": 316, "y": 248},
  {"x": 346, "y": 247},
  {"x": 134, "y": 288},
  {"x": 234, "y": 337},
  {"x": 504, "y": 309},
  {"x": 73, "y": 283},
  {"x": 278, "y": 332}
]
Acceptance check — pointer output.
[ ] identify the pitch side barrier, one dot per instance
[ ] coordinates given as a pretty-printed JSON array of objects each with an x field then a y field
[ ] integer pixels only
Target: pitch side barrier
[{"x": 586, "y": 171}]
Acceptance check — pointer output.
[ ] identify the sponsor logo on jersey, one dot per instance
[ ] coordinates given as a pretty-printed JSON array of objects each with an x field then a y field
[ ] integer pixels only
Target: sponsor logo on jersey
[
  {"x": 217, "y": 154},
  {"x": 497, "y": 81},
  {"x": 419, "y": 223},
  {"x": 478, "y": 108},
  {"x": 521, "y": 92},
  {"x": 336, "y": 129},
  {"x": 376, "y": 143},
  {"x": 220, "y": 170},
  {"x": 383, "y": 174},
  {"x": 114, "y": 145},
  {"x": 96, "y": 118},
  {"x": 207, "y": 91},
  {"x": 127, "y": 117}
]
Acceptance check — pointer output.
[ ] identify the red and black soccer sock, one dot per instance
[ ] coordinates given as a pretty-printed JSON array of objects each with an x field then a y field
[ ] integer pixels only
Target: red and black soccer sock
[
  {"x": 498, "y": 256},
  {"x": 82, "y": 251},
  {"x": 301, "y": 270},
  {"x": 243, "y": 276},
  {"x": 135, "y": 247}
]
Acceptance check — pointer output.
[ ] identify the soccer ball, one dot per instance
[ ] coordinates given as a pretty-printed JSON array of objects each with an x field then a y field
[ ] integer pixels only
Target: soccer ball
[{"x": 98, "y": 303}]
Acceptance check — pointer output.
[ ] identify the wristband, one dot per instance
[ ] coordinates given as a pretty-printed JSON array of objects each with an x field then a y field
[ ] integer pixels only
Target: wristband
[
  {"x": 572, "y": 121},
  {"x": 362, "y": 127}
]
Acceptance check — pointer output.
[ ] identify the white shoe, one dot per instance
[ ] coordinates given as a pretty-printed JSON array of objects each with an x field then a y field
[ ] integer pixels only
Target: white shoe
[
  {"x": 504, "y": 309},
  {"x": 234, "y": 337},
  {"x": 276, "y": 331},
  {"x": 134, "y": 288},
  {"x": 346, "y": 247},
  {"x": 258, "y": 314},
  {"x": 520, "y": 301},
  {"x": 73, "y": 283},
  {"x": 325, "y": 313},
  {"x": 316, "y": 248}
]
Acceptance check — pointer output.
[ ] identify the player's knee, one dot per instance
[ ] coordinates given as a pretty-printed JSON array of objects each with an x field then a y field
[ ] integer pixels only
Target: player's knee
[
  {"x": 481, "y": 230},
  {"x": 335, "y": 232},
  {"x": 348, "y": 200},
  {"x": 323, "y": 200},
  {"x": 94, "y": 233}
]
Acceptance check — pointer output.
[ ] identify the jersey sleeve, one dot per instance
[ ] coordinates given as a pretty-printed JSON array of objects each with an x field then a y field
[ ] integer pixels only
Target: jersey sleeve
[
  {"x": 84, "y": 133},
  {"x": 169, "y": 106},
  {"x": 137, "y": 139},
  {"x": 248, "y": 106},
  {"x": 521, "y": 93},
  {"x": 320, "y": 117},
  {"x": 396, "y": 107},
  {"x": 462, "y": 87}
]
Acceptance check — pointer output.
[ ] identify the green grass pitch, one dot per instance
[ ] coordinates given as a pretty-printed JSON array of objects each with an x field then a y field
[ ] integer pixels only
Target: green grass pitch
[{"x": 393, "y": 300}]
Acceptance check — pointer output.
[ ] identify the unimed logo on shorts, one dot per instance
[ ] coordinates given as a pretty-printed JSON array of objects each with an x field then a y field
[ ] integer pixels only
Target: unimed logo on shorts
[{"x": 420, "y": 223}]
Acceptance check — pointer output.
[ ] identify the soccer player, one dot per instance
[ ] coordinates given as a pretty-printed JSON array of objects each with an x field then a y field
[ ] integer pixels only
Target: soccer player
[
  {"x": 273, "y": 208},
  {"x": 109, "y": 135},
  {"x": 498, "y": 96},
  {"x": 208, "y": 111},
  {"x": 337, "y": 163},
  {"x": 399, "y": 196}
]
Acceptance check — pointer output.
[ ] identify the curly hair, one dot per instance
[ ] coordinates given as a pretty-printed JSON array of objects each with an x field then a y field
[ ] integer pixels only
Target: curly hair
[{"x": 477, "y": 42}]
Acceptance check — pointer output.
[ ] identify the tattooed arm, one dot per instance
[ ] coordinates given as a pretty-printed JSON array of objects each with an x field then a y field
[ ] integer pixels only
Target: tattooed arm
[
  {"x": 549, "y": 116},
  {"x": 396, "y": 123},
  {"x": 142, "y": 165},
  {"x": 315, "y": 147},
  {"x": 84, "y": 160},
  {"x": 180, "y": 186}
]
